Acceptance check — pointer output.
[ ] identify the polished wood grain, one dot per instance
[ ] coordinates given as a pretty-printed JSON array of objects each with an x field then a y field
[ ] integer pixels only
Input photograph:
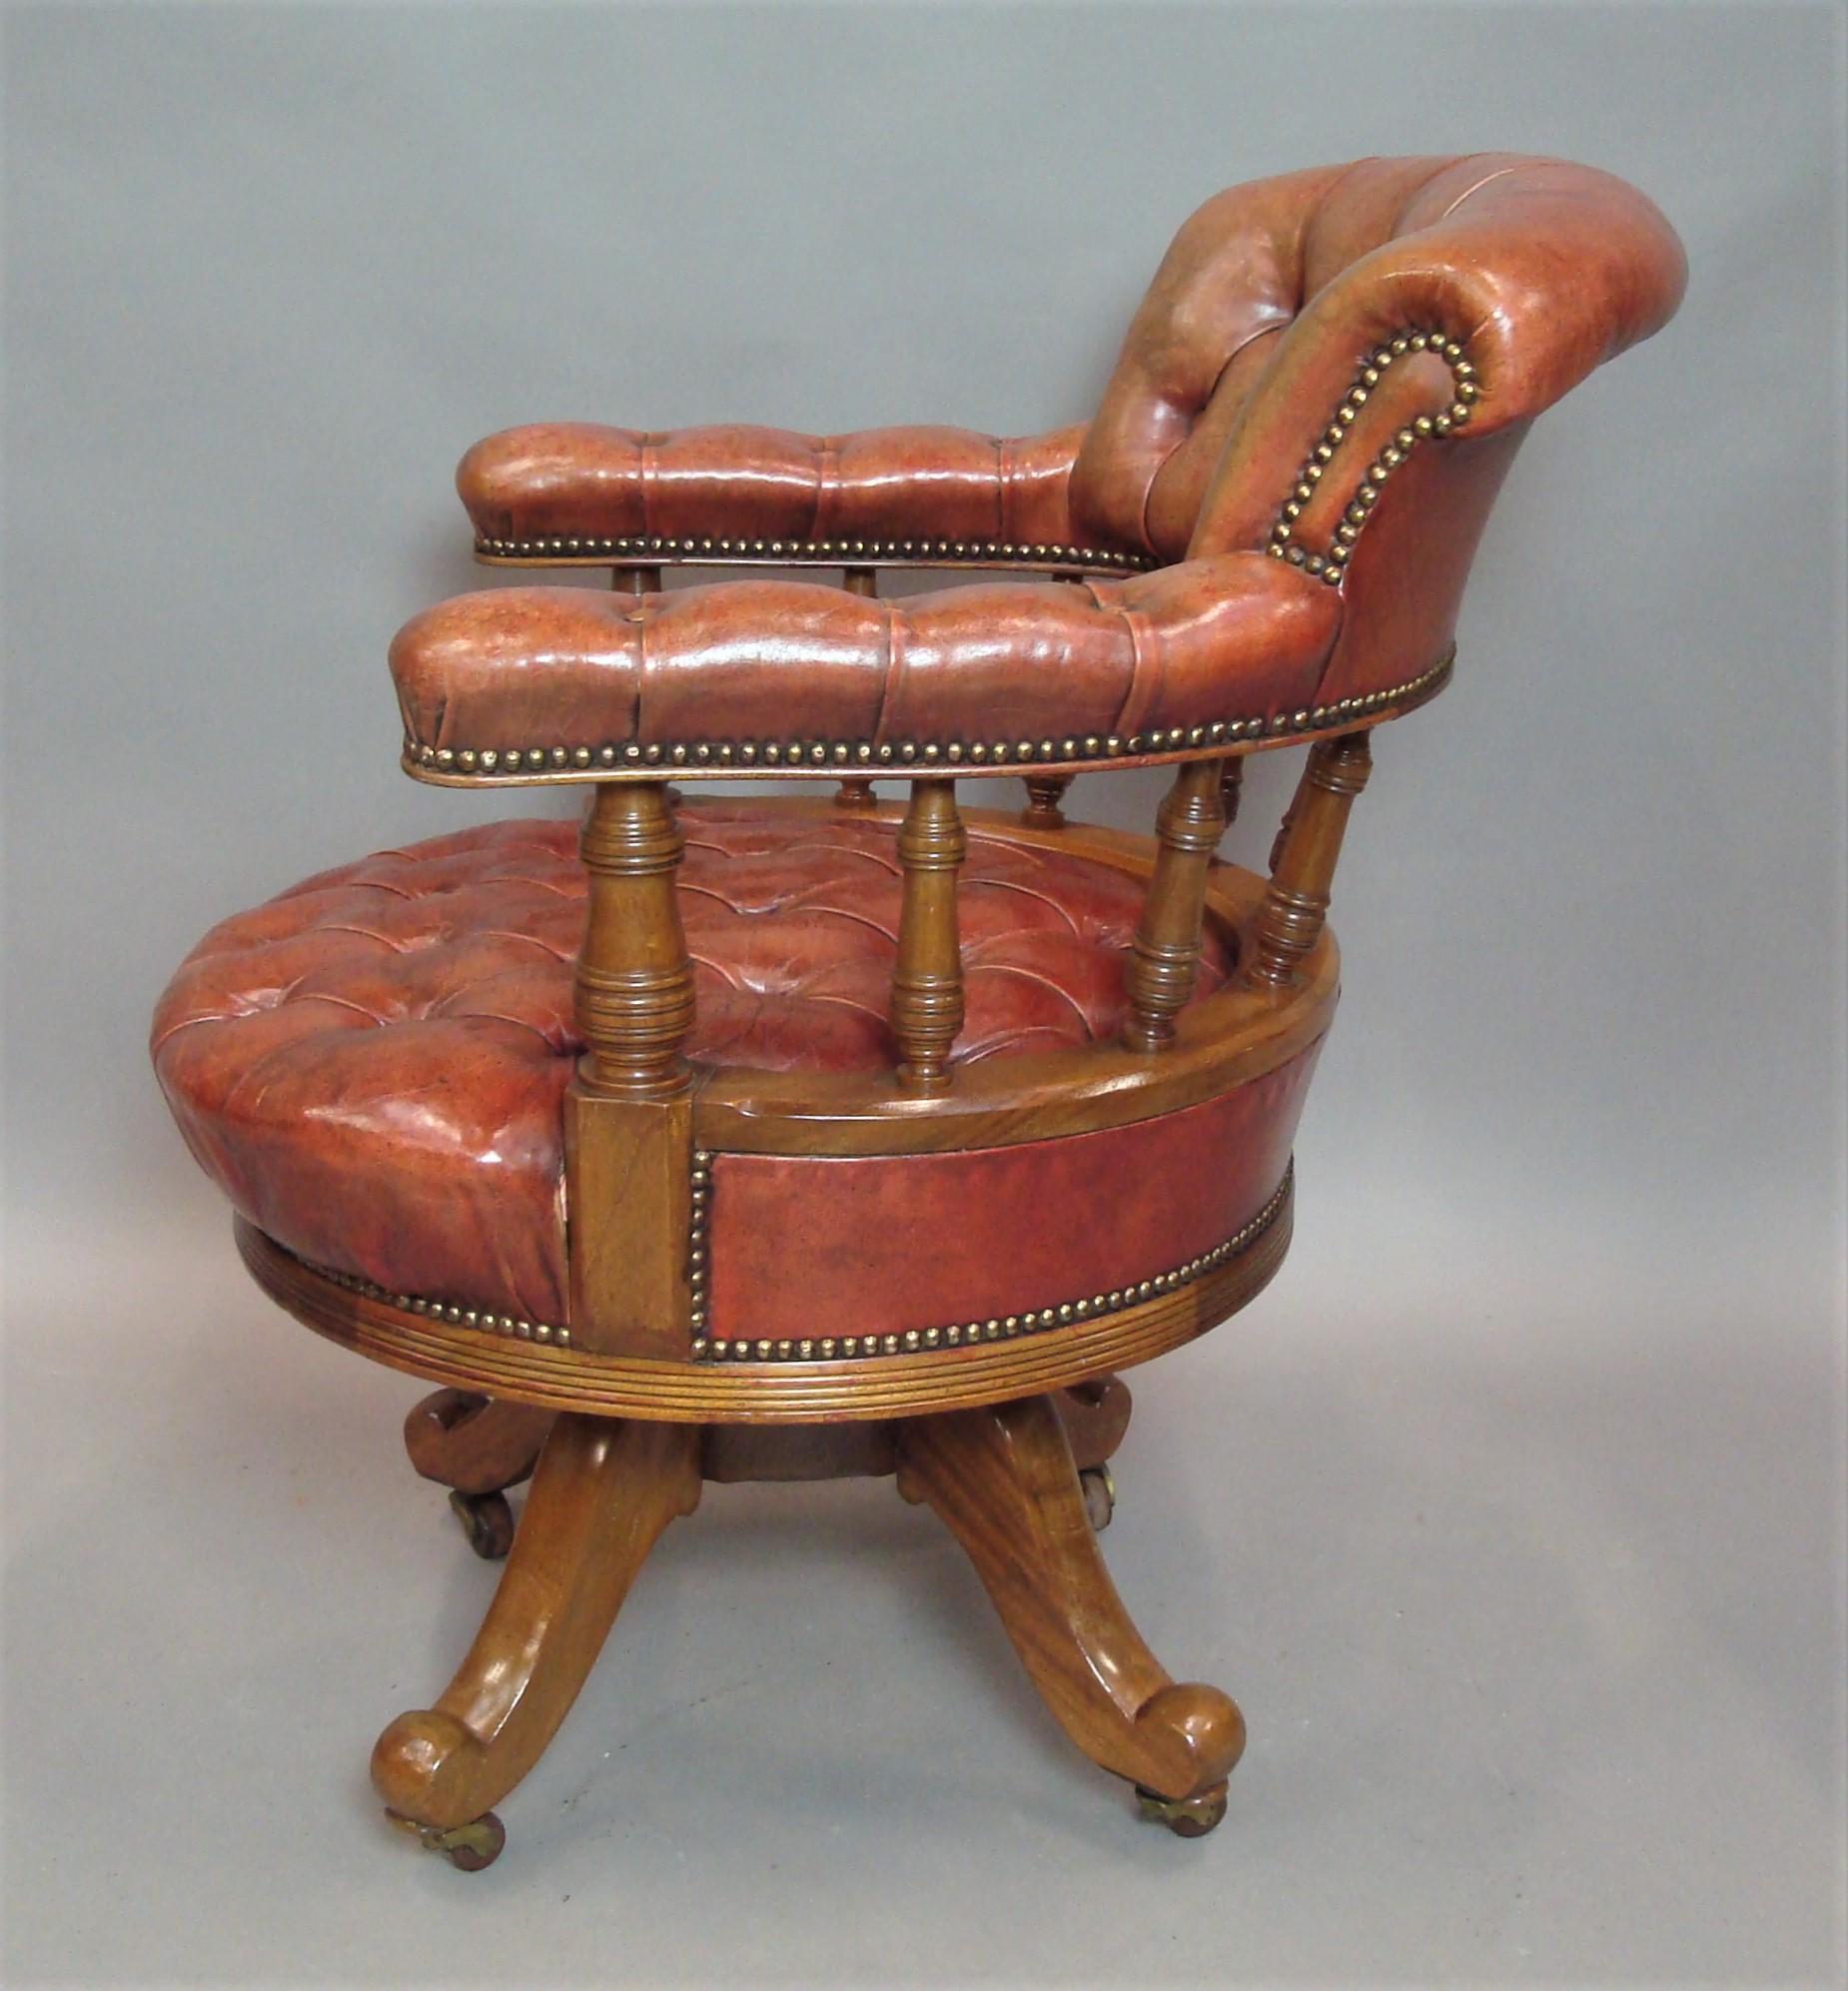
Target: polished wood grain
[
  {"x": 1165, "y": 956},
  {"x": 475, "y": 1443},
  {"x": 927, "y": 978},
  {"x": 1044, "y": 794},
  {"x": 601, "y": 1496},
  {"x": 1004, "y": 1481},
  {"x": 632, "y": 986},
  {"x": 1309, "y": 844},
  {"x": 629, "y": 1124},
  {"x": 1231, "y": 789}
]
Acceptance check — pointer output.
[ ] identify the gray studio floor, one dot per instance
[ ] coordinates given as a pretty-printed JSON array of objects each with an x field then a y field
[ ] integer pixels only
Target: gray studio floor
[{"x": 1531, "y": 1611}]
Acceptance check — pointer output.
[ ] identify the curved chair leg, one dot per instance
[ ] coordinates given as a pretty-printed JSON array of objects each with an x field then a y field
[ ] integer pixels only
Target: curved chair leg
[
  {"x": 1096, "y": 1416},
  {"x": 475, "y": 1443},
  {"x": 601, "y": 1496},
  {"x": 1004, "y": 1481},
  {"x": 478, "y": 1447}
]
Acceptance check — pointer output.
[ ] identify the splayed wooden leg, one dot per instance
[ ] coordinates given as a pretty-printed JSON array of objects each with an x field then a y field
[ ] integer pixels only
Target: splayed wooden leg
[
  {"x": 601, "y": 1496},
  {"x": 1004, "y": 1481}
]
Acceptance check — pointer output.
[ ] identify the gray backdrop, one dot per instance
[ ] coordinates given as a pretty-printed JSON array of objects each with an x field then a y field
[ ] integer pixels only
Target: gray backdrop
[{"x": 1513, "y": 1515}]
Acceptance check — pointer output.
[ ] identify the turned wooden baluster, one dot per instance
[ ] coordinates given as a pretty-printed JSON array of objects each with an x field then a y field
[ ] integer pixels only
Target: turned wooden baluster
[
  {"x": 1296, "y": 904},
  {"x": 927, "y": 979},
  {"x": 629, "y": 1112},
  {"x": 635, "y": 580},
  {"x": 1159, "y": 976},
  {"x": 857, "y": 793},
  {"x": 1042, "y": 795},
  {"x": 633, "y": 990},
  {"x": 1232, "y": 788}
]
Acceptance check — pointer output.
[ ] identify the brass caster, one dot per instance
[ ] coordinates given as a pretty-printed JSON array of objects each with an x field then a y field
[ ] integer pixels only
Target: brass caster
[
  {"x": 1186, "y": 1817},
  {"x": 487, "y": 1522},
  {"x": 1100, "y": 1491},
  {"x": 468, "y": 1847}
]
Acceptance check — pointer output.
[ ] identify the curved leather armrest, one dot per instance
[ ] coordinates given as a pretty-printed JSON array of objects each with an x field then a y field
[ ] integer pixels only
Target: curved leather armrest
[
  {"x": 527, "y": 490},
  {"x": 790, "y": 676}
]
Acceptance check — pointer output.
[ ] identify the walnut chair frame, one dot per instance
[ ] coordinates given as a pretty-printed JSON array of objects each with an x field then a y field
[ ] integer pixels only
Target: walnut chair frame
[{"x": 682, "y": 1354}]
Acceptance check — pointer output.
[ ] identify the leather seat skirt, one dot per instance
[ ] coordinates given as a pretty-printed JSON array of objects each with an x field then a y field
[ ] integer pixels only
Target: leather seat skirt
[{"x": 372, "y": 1064}]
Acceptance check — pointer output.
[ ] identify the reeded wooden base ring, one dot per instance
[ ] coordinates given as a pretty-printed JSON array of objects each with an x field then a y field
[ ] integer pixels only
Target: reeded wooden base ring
[{"x": 571, "y": 1379}]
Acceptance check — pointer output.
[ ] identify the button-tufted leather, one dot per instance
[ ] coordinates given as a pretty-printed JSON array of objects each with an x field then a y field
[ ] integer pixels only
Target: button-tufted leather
[
  {"x": 736, "y": 481},
  {"x": 780, "y": 661},
  {"x": 383, "y": 1050},
  {"x": 1229, "y": 419}
]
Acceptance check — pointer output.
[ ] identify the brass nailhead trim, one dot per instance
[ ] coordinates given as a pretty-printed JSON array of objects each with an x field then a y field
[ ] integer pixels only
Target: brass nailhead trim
[
  {"x": 699, "y": 1230},
  {"x": 1329, "y": 566},
  {"x": 827, "y": 1348},
  {"x": 505, "y": 1324},
  {"x": 1011, "y": 1327},
  {"x": 892, "y": 756},
  {"x": 832, "y": 552}
]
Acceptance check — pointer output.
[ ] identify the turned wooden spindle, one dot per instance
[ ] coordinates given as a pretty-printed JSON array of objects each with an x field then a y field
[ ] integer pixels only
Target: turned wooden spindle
[
  {"x": 628, "y": 1110},
  {"x": 635, "y": 580},
  {"x": 1232, "y": 788},
  {"x": 927, "y": 979},
  {"x": 1296, "y": 903},
  {"x": 855, "y": 793},
  {"x": 1042, "y": 795},
  {"x": 632, "y": 991},
  {"x": 1159, "y": 975}
]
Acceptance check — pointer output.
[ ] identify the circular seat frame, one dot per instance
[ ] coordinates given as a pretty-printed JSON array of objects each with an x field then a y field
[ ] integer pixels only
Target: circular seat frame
[{"x": 1224, "y": 1041}]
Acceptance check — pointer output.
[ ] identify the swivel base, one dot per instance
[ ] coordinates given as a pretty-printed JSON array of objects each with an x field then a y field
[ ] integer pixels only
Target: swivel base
[{"x": 1022, "y": 1486}]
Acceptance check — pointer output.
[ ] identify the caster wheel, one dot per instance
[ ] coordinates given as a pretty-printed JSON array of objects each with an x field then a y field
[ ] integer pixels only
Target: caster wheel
[
  {"x": 1186, "y": 1817},
  {"x": 468, "y": 1847},
  {"x": 1100, "y": 1491},
  {"x": 486, "y": 1520}
]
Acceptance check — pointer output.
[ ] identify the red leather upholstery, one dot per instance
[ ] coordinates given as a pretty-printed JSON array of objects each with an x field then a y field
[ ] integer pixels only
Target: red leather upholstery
[
  {"x": 580, "y": 478},
  {"x": 371, "y": 1064},
  {"x": 1304, "y": 338},
  {"x": 1253, "y": 329},
  {"x": 516, "y": 671},
  {"x": 888, "y": 1242}
]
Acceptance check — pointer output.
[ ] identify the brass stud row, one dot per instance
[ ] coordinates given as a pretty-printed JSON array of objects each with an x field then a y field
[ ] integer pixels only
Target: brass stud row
[
  {"x": 1330, "y": 565},
  {"x": 1008, "y": 1326},
  {"x": 800, "y": 755},
  {"x": 699, "y": 1232},
  {"x": 507, "y": 1325},
  {"x": 977, "y": 551}
]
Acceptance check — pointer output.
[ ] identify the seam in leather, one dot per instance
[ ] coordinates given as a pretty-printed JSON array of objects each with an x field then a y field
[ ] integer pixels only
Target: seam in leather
[
  {"x": 1470, "y": 192},
  {"x": 825, "y": 452},
  {"x": 896, "y": 664},
  {"x": 1020, "y": 974},
  {"x": 1136, "y": 700},
  {"x": 644, "y": 478}
]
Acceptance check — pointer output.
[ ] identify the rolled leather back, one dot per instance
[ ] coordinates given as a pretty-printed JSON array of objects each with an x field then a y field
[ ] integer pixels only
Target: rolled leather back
[{"x": 1363, "y": 346}]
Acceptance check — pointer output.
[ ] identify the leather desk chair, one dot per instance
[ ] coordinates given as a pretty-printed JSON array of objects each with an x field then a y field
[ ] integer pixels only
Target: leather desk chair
[{"x": 788, "y": 1137}]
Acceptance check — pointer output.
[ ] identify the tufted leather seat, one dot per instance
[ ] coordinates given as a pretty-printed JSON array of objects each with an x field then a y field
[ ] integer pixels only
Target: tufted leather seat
[{"x": 388, "y": 1043}]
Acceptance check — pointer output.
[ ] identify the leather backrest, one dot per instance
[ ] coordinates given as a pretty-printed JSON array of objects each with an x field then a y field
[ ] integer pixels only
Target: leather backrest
[{"x": 1252, "y": 331}]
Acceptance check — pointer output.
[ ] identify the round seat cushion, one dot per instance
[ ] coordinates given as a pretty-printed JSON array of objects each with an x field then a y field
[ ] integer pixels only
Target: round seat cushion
[{"x": 372, "y": 1064}]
